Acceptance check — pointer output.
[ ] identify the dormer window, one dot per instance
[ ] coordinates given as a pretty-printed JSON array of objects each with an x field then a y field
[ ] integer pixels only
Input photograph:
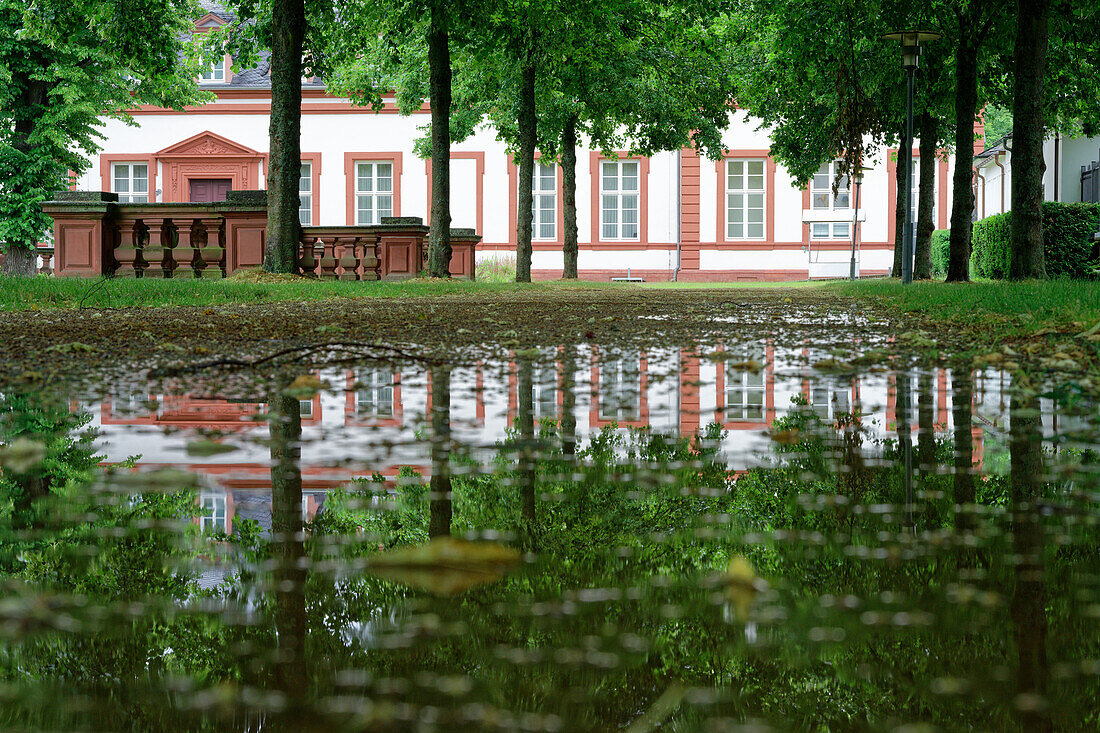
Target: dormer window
[{"x": 216, "y": 74}]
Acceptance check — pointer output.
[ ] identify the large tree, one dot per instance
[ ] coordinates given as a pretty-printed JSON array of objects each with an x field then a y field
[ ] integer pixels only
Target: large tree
[
  {"x": 291, "y": 31},
  {"x": 406, "y": 48},
  {"x": 64, "y": 65}
]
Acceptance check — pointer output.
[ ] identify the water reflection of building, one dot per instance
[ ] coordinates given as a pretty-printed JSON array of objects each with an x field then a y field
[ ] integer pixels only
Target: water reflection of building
[{"x": 372, "y": 419}]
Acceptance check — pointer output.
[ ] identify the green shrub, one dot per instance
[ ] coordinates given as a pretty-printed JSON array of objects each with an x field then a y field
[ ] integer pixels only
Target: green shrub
[
  {"x": 1067, "y": 241},
  {"x": 941, "y": 240},
  {"x": 496, "y": 270}
]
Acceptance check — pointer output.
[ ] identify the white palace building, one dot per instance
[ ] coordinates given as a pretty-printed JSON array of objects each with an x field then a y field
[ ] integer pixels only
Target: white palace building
[{"x": 672, "y": 215}]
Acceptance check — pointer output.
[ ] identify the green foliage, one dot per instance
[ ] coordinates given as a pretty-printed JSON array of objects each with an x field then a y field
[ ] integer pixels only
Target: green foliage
[
  {"x": 67, "y": 64},
  {"x": 1067, "y": 241},
  {"x": 941, "y": 241},
  {"x": 496, "y": 270},
  {"x": 998, "y": 123}
]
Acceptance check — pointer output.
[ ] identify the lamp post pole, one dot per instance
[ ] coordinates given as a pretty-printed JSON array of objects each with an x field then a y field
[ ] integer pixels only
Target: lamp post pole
[
  {"x": 907, "y": 233},
  {"x": 910, "y": 59},
  {"x": 858, "y": 178}
]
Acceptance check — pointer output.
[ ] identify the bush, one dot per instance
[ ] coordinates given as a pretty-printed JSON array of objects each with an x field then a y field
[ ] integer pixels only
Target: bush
[
  {"x": 941, "y": 240},
  {"x": 1067, "y": 241},
  {"x": 496, "y": 270}
]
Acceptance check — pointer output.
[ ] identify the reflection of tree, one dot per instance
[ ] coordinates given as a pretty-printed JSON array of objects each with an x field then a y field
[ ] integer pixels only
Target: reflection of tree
[
  {"x": 287, "y": 545},
  {"x": 1029, "y": 595},
  {"x": 439, "y": 522}
]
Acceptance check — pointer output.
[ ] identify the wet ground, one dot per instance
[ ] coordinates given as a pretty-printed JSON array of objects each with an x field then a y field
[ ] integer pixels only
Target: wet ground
[{"x": 715, "y": 511}]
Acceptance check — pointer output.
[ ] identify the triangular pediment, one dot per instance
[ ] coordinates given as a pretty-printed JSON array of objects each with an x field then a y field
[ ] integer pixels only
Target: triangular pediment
[
  {"x": 209, "y": 21},
  {"x": 208, "y": 144}
]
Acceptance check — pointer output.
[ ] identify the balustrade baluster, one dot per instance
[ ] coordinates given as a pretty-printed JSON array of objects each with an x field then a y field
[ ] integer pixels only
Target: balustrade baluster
[
  {"x": 183, "y": 254},
  {"x": 370, "y": 264},
  {"x": 307, "y": 261},
  {"x": 155, "y": 249},
  {"x": 127, "y": 252},
  {"x": 211, "y": 255},
  {"x": 349, "y": 261},
  {"x": 328, "y": 259}
]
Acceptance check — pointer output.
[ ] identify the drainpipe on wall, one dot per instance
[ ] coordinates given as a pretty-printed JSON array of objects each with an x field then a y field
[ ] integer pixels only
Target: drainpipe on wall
[
  {"x": 997, "y": 161},
  {"x": 1057, "y": 166},
  {"x": 679, "y": 205},
  {"x": 981, "y": 177}
]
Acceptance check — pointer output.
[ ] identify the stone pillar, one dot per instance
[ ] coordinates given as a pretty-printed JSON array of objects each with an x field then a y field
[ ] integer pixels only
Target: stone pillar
[
  {"x": 127, "y": 251},
  {"x": 245, "y": 214},
  {"x": 209, "y": 261},
  {"x": 401, "y": 246},
  {"x": 463, "y": 248},
  {"x": 81, "y": 231}
]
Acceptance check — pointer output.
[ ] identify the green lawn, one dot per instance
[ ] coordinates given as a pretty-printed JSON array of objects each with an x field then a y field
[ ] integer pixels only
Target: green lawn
[
  {"x": 56, "y": 292},
  {"x": 1024, "y": 306}
]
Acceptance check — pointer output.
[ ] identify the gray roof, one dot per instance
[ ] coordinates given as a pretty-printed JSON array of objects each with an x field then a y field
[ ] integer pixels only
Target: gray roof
[{"x": 258, "y": 77}]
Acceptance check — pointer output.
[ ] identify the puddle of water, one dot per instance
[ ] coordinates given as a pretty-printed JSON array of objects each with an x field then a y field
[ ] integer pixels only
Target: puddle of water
[{"x": 566, "y": 538}]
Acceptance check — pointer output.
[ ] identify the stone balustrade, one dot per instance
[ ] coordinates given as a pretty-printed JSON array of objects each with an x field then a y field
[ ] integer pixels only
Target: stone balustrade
[{"x": 94, "y": 235}]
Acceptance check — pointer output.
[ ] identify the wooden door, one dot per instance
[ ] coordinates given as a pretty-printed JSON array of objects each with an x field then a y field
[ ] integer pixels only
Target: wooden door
[{"x": 209, "y": 190}]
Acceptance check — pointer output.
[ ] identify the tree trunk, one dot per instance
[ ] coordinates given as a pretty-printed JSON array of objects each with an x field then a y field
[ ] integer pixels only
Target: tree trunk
[
  {"x": 439, "y": 63},
  {"x": 526, "y": 420},
  {"x": 528, "y": 136},
  {"x": 288, "y": 548},
  {"x": 569, "y": 401},
  {"x": 1028, "y": 606},
  {"x": 964, "y": 447},
  {"x": 926, "y": 198},
  {"x": 926, "y": 425},
  {"x": 285, "y": 133},
  {"x": 1029, "y": 72},
  {"x": 20, "y": 257},
  {"x": 569, "y": 195},
  {"x": 901, "y": 181},
  {"x": 962, "y": 197},
  {"x": 439, "y": 498}
]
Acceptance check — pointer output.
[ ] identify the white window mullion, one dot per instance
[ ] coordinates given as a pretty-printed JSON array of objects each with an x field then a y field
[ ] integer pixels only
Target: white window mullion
[
  {"x": 305, "y": 194},
  {"x": 620, "y": 200},
  {"x": 373, "y": 191}
]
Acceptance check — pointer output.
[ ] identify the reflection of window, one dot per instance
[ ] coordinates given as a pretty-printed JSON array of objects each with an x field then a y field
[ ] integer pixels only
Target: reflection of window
[
  {"x": 620, "y": 387},
  {"x": 915, "y": 200},
  {"x": 373, "y": 191},
  {"x": 544, "y": 192},
  {"x": 823, "y": 199},
  {"x": 216, "y": 72},
  {"x": 544, "y": 389},
  {"x": 305, "y": 408},
  {"x": 212, "y": 512},
  {"x": 131, "y": 403},
  {"x": 131, "y": 182},
  {"x": 374, "y": 397},
  {"x": 619, "y": 199},
  {"x": 744, "y": 199},
  {"x": 829, "y": 402},
  {"x": 305, "y": 194},
  {"x": 744, "y": 388}
]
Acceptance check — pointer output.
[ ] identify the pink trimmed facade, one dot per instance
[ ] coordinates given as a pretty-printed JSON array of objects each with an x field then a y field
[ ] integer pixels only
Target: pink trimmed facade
[{"x": 671, "y": 215}]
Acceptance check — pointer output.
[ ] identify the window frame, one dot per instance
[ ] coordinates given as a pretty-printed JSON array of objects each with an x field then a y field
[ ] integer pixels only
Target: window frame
[
  {"x": 305, "y": 196},
  {"x": 210, "y": 77},
  {"x": 619, "y": 193},
  {"x": 127, "y": 197},
  {"x": 837, "y": 230},
  {"x": 374, "y": 193},
  {"x": 538, "y": 196},
  {"x": 745, "y": 192},
  {"x": 351, "y": 180},
  {"x": 595, "y": 174}
]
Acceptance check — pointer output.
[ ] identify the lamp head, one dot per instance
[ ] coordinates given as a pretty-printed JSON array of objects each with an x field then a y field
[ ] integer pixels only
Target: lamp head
[{"x": 911, "y": 41}]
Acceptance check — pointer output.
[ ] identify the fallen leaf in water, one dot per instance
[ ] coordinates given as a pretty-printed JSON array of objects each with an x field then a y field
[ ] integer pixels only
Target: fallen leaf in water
[
  {"x": 750, "y": 365},
  {"x": 22, "y": 455},
  {"x": 785, "y": 437},
  {"x": 445, "y": 566},
  {"x": 208, "y": 448},
  {"x": 742, "y": 585},
  {"x": 304, "y": 387}
]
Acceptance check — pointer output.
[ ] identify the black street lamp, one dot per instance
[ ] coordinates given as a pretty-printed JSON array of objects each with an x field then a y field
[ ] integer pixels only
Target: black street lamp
[
  {"x": 910, "y": 59},
  {"x": 857, "y": 178}
]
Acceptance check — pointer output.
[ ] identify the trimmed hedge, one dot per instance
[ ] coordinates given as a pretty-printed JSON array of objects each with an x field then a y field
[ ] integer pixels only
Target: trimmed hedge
[
  {"x": 1067, "y": 242},
  {"x": 941, "y": 241}
]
